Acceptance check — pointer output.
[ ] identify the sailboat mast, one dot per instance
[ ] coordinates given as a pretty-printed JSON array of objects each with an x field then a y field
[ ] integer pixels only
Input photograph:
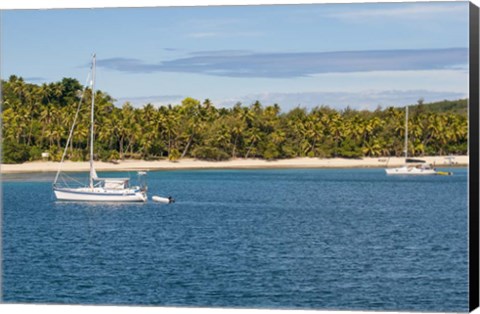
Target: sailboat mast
[
  {"x": 92, "y": 120},
  {"x": 406, "y": 133}
]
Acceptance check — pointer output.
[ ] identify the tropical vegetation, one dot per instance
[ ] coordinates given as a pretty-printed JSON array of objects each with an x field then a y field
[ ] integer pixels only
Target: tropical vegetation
[{"x": 37, "y": 118}]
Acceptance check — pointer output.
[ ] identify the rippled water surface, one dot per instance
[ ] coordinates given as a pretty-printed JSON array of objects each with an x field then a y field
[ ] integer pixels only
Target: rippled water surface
[{"x": 321, "y": 239}]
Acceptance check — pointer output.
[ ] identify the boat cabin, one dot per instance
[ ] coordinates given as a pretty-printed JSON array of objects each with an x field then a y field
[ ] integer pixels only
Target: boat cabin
[{"x": 114, "y": 183}]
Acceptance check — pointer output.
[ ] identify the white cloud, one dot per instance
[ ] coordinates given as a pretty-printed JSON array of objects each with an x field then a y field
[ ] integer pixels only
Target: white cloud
[
  {"x": 296, "y": 64},
  {"x": 160, "y": 100},
  {"x": 366, "y": 99}
]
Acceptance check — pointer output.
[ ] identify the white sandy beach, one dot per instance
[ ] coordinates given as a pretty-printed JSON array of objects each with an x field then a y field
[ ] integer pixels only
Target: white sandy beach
[{"x": 133, "y": 165}]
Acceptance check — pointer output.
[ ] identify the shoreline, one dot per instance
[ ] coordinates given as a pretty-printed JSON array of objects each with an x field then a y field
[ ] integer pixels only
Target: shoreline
[{"x": 239, "y": 163}]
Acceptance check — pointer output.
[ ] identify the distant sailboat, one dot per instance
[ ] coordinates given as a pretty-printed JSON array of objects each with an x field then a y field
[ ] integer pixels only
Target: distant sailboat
[
  {"x": 98, "y": 189},
  {"x": 412, "y": 166}
]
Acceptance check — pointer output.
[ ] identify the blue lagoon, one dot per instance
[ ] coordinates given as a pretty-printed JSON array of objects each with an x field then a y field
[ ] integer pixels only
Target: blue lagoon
[{"x": 303, "y": 238}]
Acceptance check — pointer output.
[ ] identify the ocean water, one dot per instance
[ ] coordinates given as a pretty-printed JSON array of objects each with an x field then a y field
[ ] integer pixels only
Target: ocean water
[{"x": 309, "y": 239}]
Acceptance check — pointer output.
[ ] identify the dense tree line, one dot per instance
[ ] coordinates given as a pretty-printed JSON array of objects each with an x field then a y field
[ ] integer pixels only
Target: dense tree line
[{"x": 37, "y": 118}]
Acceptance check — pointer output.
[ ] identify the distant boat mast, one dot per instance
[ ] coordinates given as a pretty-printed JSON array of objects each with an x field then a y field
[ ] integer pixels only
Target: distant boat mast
[
  {"x": 406, "y": 132},
  {"x": 92, "y": 121}
]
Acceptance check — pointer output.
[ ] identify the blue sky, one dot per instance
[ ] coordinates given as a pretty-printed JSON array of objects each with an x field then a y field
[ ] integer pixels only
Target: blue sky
[{"x": 362, "y": 55}]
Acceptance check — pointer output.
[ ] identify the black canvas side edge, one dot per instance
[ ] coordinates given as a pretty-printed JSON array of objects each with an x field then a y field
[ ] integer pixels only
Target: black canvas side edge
[{"x": 473, "y": 126}]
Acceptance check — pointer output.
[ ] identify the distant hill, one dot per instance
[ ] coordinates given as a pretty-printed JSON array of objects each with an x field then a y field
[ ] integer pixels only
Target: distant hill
[{"x": 459, "y": 106}]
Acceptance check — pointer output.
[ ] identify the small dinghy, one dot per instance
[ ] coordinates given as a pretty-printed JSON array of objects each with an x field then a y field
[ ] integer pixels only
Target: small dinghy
[
  {"x": 163, "y": 200},
  {"x": 444, "y": 173}
]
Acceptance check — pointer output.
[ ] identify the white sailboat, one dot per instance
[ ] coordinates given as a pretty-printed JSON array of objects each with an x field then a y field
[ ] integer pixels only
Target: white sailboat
[
  {"x": 98, "y": 189},
  {"x": 412, "y": 166}
]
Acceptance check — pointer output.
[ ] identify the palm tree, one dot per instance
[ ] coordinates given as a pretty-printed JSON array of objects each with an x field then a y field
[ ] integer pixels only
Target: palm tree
[
  {"x": 253, "y": 137},
  {"x": 335, "y": 128},
  {"x": 314, "y": 133},
  {"x": 125, "y": 127},
  {"x": 372, "y": 148},
  {"x": 193, "y": 116},
  {"x": 171, "y": 122}
]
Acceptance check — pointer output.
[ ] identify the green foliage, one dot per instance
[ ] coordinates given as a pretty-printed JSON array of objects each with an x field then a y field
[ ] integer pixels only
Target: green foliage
[
  {"x": 37, "y": 118},
  {"x": 174, "y": 155},
  {"x": 35, "y": 153},
  {"x": 210, "y": 154},
  {"x": 459, "y": 107},
  {"x": 55, "y": 154},
  {"x": 104, "y": 155},
  {"x": 78, "y": 155},
  {"x": 349, "y": 149},
  {"x": 108, "y": 155},
  {"x": 271, "y": 152},
  {"x": 15, "y": 153}
]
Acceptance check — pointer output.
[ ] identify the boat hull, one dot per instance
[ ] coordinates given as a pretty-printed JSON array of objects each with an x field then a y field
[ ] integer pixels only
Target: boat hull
[
  {"x": 410, "y": 171},
  {"x": 83, "y": 195}
]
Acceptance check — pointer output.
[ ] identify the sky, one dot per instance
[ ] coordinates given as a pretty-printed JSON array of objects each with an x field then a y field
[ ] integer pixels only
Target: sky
[{"x": 358, "y": 55}]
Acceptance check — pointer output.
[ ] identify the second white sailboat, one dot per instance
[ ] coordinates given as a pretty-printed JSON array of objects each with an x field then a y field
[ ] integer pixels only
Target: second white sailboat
[{"x": 412, "y": 166}]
